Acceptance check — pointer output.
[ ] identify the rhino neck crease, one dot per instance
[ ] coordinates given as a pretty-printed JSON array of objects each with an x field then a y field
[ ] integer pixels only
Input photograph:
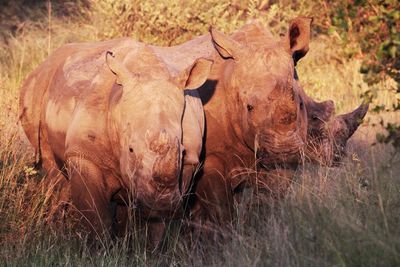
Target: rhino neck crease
[{"x": 178, "y": 57}]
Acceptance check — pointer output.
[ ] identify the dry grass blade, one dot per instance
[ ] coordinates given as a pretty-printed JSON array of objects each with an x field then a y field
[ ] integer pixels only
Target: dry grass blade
[{"x": 347, "y": 215}]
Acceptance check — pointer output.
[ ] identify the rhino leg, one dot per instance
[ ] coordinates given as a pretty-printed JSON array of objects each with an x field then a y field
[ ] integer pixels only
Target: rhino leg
[
  {"x": 58, "y": 191},
  {"x": 156, "y": 231},
  {"x": 214, "y": 196},
  {"x": 121, "y": 220},
  {"x": 155, "y": 227},
  {"x": 55, "y": 182},
  {"x": 188, "y": 173},
  {"x": 91, "y": 202}
]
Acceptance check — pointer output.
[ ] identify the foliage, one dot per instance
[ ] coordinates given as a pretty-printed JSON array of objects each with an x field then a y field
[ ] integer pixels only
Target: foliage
[
  {"x": 168, "y": 22},
  {"x": 375, "y": 27}
]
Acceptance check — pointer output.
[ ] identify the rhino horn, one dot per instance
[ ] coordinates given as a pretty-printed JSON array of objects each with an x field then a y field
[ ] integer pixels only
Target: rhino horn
[
  {"x": 353, "y": 119},
  {"x": 167, "y": 166},
  {"x": 161, "y": 143}
]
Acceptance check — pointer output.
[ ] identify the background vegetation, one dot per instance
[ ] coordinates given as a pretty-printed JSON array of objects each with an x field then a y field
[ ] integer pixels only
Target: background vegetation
[{"x": 332, "y": 216}]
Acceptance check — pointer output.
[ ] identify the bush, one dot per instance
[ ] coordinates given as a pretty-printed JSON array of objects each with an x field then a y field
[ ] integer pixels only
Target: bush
[{"x": 374, "y": 26}]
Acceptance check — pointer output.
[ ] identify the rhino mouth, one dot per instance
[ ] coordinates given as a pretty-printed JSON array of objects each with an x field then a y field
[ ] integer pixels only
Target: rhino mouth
[
  {"x": 327, "y": 142},
  {"x": 279, "y": 151},
  {"x": 165, "y": 202},
  {"x": 278, "y": 161},
  {"x": 326, "y": 152}
]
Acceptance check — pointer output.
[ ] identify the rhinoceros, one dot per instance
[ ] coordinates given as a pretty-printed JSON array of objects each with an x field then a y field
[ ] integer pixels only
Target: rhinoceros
[
  {"x": 327, "y": 133},
  {"x": 248, "y": 121},
  {"x": 253, "y": 112},
  {"x": 115, "y": 116}
]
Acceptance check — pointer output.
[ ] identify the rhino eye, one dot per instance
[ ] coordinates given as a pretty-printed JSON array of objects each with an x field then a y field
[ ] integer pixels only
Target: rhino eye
[
  {"x": 250, "y": 107},
  {"x": 131, "y": 149}
]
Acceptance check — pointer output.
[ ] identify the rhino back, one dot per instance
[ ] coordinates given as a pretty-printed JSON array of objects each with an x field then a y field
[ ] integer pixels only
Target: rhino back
[
  {"x": 50, "y": 93},
  {"x": 178, "y": 58}
]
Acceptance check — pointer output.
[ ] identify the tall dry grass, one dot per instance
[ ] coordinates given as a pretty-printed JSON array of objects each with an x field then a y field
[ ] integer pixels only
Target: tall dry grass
[{"x": 348, "y": 215}]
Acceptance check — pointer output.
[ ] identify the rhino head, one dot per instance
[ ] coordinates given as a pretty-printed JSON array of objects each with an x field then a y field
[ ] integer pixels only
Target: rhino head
[
  {"x": 147, "y": 121},
  {"x": 328, "y": 134},
  {"x": 270, "y": 116}
]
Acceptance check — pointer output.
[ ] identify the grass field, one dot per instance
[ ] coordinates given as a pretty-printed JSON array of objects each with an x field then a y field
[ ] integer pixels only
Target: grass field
[{"x": 343, "y": 216}]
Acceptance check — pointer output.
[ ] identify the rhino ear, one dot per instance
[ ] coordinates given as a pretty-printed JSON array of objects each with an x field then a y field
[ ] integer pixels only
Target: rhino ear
[
  {"x": 226, "y": 46},
  {"x": 297, "y": 39},
  {"x": 122, "y": 73},
  {"x": 195, "y": 75}
]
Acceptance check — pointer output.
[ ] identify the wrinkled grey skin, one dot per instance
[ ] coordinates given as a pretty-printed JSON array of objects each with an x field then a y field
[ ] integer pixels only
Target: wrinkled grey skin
[{"x": 117, "y": 121}]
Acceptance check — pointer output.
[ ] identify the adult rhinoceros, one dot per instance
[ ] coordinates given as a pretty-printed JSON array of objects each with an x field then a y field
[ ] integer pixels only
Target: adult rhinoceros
[
  {"x": 327, "y": 133},
  {"x": 254, "y": 115},
  {"x": 253, "y": 112},
  {"x": 118, "y": 122}
]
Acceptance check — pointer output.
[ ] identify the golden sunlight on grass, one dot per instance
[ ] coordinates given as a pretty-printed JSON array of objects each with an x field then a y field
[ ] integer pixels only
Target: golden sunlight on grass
[{"x": 346, "y": 215}]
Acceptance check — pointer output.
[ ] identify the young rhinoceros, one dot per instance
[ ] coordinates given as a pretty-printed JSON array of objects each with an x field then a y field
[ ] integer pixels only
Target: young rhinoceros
[{"x": 116, "y": 123}]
